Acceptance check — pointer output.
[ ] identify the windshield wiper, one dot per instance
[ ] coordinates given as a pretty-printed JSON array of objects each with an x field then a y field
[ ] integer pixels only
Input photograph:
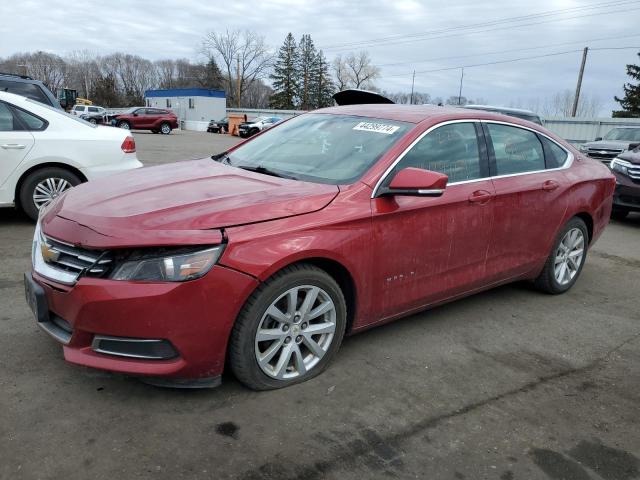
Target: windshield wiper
[{"x": 266, "y": 171}]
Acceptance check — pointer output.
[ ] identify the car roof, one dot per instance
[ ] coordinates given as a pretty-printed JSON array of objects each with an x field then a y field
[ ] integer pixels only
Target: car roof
[
  {"x": 416, "y": 113},
  {"x": 501, "y": 109}
]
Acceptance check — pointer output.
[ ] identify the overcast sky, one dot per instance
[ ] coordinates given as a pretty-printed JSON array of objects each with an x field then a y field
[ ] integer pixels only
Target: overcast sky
[{"x": 163, "y": 29}]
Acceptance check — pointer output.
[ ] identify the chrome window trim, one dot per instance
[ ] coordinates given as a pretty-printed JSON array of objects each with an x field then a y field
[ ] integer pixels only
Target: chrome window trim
[{"x": 568, "y": 162}]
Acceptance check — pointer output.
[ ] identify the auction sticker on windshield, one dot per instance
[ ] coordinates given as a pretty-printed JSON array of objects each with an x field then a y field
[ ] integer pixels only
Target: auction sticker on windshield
[{"x": 376, "y": 127}]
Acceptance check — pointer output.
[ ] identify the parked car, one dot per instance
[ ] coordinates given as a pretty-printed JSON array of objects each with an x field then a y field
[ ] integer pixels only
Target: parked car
[
  {"x": 247, "y": 129},
  {"x": 44, "y": 152},
  {"x": 328, "y": 224},
  {"x": 615, "y": 142},
  {"x": 512, "y": 112},
  {"x": 96, "y": 118},
  {"x": 28, "y": 87},
  {"x": 80, "y": 110},
  {"x": 626, "y": 168},
  {"x": 218, "y": 126},
  {"x": 144, "y": 118}
]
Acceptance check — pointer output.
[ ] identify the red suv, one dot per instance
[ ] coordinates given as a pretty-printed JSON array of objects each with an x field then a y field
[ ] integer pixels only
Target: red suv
[
  {"x": 144, "y": 118},
  {"x": 327, "y": 224}
]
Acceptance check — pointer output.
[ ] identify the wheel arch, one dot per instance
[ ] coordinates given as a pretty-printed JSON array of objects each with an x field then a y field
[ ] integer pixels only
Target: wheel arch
[
  {"x": 39, "y": 166},
  {"x": 588, "y": 220}
]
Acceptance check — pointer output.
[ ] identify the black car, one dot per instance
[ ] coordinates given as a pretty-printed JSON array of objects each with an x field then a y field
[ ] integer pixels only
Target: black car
[
  {"x": 28, "y": 87},
  {"x": 626, "y": 168},
  {"x": 95, "y": 118},
  {"x": 218, "y": 126}
]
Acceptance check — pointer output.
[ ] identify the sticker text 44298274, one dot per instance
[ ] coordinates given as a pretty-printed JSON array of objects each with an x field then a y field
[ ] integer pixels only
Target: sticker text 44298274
[{"x": 376, "y": 127}]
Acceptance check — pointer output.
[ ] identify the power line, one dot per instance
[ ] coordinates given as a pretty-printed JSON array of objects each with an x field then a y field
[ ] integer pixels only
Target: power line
[
  {"x": 554, "y": 54},
  {"x": 578, "y": 42},
  {"x": 415, "y": 37}
]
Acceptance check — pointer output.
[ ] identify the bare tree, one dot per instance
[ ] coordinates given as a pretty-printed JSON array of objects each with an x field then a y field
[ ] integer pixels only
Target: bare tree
[
  {"x": 49, "y": 68},
  {"x": 362, "y": 72},
  {"x": 134, "y": 75},
  {"x": 561, "y": 103},
  {"x": 82, "y": 71},
  {"x": 340, "y": 70},
  {"x": 245, "y": 48}
]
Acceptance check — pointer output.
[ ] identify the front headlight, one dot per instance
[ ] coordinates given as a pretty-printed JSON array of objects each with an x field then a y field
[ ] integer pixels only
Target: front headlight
[
  {"x": 619, "y": 166},
  {"x": 178, "y": 267},
  {"x": 584, "y": 148}
]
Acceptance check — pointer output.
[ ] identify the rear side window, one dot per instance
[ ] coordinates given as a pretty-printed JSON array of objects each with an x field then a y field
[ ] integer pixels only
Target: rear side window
[
  {"x": 516, "y": 150},
  {"x": 451, "y": 149},
  {"x": 7, "y": 122},
  {"x": 29, "y": 90},
  {"x": 78, "y": 108},
  {"x": 555, "y": 156},
  {"x": 31, "y": 122}
]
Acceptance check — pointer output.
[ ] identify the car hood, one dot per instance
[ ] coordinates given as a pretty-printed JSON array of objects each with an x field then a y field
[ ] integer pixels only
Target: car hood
[
  {"x": 190, "y": 195},
  {"x": 608, "y": 145}
]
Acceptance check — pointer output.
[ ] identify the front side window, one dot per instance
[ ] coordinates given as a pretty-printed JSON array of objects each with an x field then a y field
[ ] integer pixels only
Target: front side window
[
  {"x": 323, "y": 148},
  {"x": 94, "y": 109},
  {"x": 7, "y": 122},
  {"x": 516, "y": 150},
  {"x": 451, "y": 149},
  {"x": 78, "y": 108}
]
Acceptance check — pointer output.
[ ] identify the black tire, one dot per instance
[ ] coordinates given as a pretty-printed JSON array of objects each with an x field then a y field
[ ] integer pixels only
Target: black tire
[
  {"x": 252, "y": 132},
  {"x": 547, "y": 281},
  {"x": 93, "y": 121},
  {"x": 124, "y": 124},
  {"x": 242, "y": 357},
  {"x": 619, "y": 213},
  {"x": 29, "y": 184},
  {"x": 165, "y": 128}
]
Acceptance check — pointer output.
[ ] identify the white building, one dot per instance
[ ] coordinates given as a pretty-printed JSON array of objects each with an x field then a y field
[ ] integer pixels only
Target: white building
[{"x": 194, "y": 107}]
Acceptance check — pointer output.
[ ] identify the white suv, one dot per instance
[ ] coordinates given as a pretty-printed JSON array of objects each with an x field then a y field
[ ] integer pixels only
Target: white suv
[
  {"x": 44, "y": 151},
  {"x": 88, "y": 110}
]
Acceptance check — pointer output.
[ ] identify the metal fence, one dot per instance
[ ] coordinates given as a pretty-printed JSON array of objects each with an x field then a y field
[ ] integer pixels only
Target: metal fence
[{"x": 581, "y": 130}]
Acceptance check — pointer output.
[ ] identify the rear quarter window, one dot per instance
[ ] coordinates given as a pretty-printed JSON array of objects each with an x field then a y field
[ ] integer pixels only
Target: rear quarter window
[{"x": 554, "y": 155}]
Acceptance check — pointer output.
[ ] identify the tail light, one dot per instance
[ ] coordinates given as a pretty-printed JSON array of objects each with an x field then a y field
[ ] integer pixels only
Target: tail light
[{"x": 129, "y": 145}]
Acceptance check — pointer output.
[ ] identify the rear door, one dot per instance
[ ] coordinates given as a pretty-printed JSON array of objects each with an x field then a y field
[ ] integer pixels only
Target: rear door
[
  {"x": 433, "y": 248},
  {"x": 15, "y": 143},
  {"x": 530, "y": 200}
]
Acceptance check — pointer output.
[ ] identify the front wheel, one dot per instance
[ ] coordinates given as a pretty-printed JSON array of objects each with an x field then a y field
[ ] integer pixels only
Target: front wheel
[
  {"x": 124, "y": 124},
  {"x": 43, "y": 186},
  {"x": 566, "y": 259},
  {"x": 165, "y": 129},
  {"x": 289, "y": 329}
]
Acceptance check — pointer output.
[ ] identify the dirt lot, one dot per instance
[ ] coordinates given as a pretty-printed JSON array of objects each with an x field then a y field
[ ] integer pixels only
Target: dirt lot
[{"x": 508, "y": 384}]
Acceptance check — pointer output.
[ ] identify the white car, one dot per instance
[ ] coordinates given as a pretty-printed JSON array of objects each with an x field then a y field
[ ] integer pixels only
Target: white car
[
  {"x": 44, "y": 151},
  {"x": 88, "y": 109}
]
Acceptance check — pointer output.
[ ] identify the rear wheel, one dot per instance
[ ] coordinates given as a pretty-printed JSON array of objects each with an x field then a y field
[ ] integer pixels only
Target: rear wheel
[
  {"x": 124, "y": 124},
  {"x": 289, "y": 329},
  {"x": 619, "y": 213},
  {"x": 93, "y": 121},
  {"x": 165, "y": 129},
  {"x": 564, "y": 264},
  {"x": 44, "y": 185}
]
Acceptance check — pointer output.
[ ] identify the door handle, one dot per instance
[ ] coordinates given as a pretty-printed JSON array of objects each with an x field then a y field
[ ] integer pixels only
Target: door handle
[
  {"x": 550, "y": 185},
  {"x": 480, "y": 196},
  {"x": 13, "y": 146}
]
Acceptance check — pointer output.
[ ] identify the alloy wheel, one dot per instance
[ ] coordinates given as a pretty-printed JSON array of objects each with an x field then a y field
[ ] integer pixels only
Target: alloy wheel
[
  {"x": 295, "y": 332},
  {"x": 125, "y": 125},
  {"x": 165, "y": 128},
  {"x": 569, "y": 256},
  {"x": 49, "y": 189}
]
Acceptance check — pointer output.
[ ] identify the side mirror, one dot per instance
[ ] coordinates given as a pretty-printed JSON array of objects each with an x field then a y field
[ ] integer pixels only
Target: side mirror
[
  {"x": 416, "y": 182},
  {"x": 598, "y": 139}
]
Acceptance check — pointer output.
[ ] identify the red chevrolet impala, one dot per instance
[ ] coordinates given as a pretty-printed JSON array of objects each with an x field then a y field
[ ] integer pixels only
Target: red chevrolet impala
[{"x": 330, "y": 223}]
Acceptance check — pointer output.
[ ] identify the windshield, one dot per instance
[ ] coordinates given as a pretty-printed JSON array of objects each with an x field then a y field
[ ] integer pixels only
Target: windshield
[
  {"x": 625, "y": 134},
  {"x": 334, "y": 149}
]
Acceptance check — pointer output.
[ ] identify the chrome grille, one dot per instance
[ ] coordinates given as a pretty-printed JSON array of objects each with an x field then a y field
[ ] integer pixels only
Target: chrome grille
[
  {"x": 75, "y": 260},
  {"x": 603, "y": 153}
]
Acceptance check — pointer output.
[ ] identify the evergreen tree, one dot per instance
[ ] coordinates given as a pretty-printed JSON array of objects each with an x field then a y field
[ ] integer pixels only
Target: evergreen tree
[
  {"x": 630, "y": 103},
  {"x": 307, "y": 70},
  {"x": 285, "y": 76},
  {"x": 323, "y": 87}
]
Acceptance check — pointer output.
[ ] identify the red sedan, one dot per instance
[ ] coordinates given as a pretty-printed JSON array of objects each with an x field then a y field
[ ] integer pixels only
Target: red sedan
[{"x": 328, "y": 224}]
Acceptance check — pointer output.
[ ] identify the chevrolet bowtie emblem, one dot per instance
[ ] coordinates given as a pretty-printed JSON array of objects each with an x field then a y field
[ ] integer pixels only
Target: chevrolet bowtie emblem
[{"x": 48, "y": 254}]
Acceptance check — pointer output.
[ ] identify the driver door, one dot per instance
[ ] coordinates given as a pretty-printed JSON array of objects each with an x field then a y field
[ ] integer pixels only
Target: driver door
[{"x": 434, "y": 248}]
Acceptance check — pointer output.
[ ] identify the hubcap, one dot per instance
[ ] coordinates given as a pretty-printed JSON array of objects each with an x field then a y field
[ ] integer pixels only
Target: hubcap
[
  {"x": 295, "y": 332},
  {"x": 569, "y": 256},
  {"x": 49, "y": 189},
  {"x": 165, "y": 129},
  {"x": 124, "y": 125}
]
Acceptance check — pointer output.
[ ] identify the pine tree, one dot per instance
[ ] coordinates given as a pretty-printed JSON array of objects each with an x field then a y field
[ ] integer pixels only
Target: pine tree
[
  {"x": 630, "y": 103},
  {"x": 306, "y": 70},
  {"x": 323, "y": 87},
  {"x": 285, "y": 76}
]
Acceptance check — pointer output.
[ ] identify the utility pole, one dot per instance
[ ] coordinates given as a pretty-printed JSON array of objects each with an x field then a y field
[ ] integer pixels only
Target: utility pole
[
  {"x": 460, "y": 91},
  {"x": 238, "y": 83},
  {"x": 577, "y": 95},
  {"x": 413, "y": 81}
]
